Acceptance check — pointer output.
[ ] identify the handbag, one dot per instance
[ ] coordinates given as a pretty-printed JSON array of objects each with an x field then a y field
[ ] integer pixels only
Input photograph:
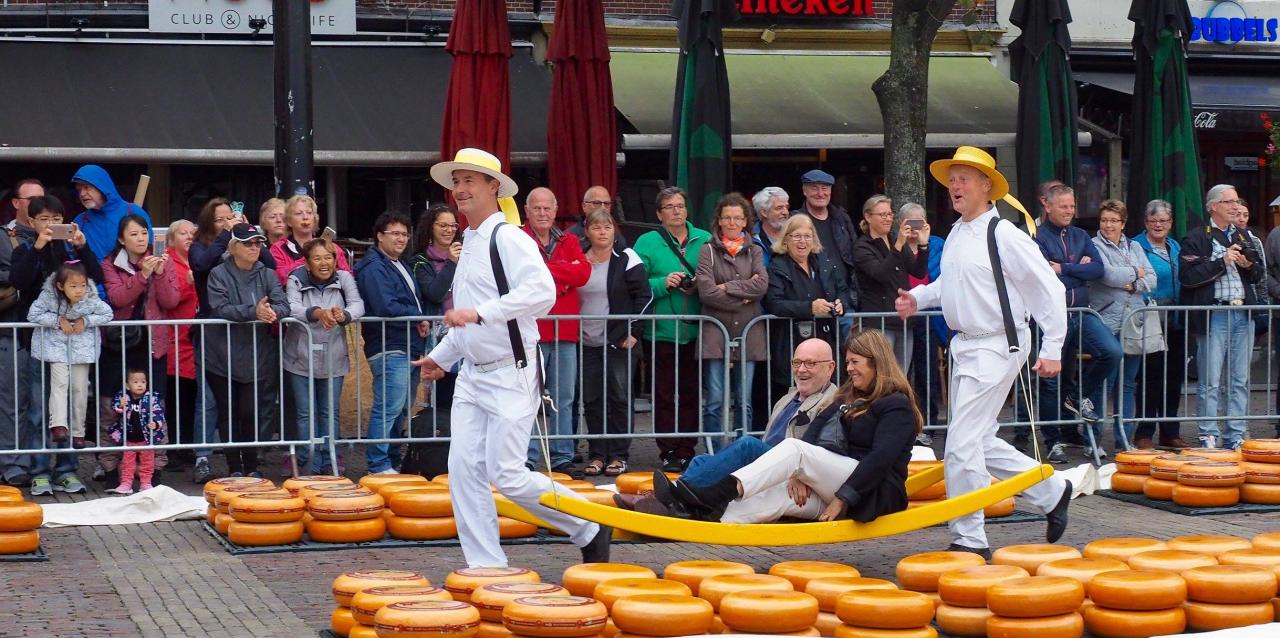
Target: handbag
[{"x": 1140, "y": 336}]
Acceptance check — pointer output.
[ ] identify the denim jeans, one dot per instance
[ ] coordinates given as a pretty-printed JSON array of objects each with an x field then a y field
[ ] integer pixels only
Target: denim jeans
[
  {"x": 206, "y": 425},
  {"x": 394, "y": 382},
  {"x": 54, "y": 466},
  {"x": 15, "y": 430},
  {"x": 715, "y": 398},
  {"x": 560, "y": 366},
  {"x": 326, "y": 399},
  {"x": 1226, "y": 346},
  {"x": 706, "y": 470},
  {"x": 1124, "y": 394},
  {"x": 1093, "y": 337}
]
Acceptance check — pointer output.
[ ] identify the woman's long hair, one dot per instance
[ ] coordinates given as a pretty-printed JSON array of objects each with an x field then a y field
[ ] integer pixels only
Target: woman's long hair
[{"x": 872, "y": 345}]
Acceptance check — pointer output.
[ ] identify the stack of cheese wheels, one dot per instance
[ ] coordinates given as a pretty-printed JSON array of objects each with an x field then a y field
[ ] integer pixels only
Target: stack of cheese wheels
[
  {"x": 1133, "y": 469},
  {"x": 1122, "y": 548},
  {"x": 372, "y": 482},
  {"x": 920, "y": 572},
  {"x": 222, "y": 501},
  {"x": 937, "y": 492},
  {"x": 1135, "y": 604},
  {"x": 1030, "y": 557},
  {"x": 713, "y": 589},
  {"x": 1170, "y": 560},
  {"x": 1208, "y": 484},
  {"x": 366, "y": 603},
  {"x": 1261, "y": 471},
  {"x": 212, "y": 488},
  {"x": 872, "y": 613},
  {"x": 1257, "y": 557},
  {"x": 1081, "y": 569},
  {"x": 492, "y": 598},
  {"x": 769, "y": 612},
  {"x": 1164, "y": 475},
  {"x": 638, "y": 482},
  {"x": 423, "y": 513},
  {"x": 828, "y": 590},
  {"x": 351, "y": 516},
  {"x": 581, "y": 579},
  {"x": 692, "y": 572},
  {"x": 436, "y": 618},
  {"x": 295, "y": 484},
  {"x": 1224, "y": 596},
  {"x": 18, "y": 522},
  {"x": 555, "y": 616},
  {"x": 662, "y": 615},
  {"x": 265, "y": 518},
  {"x": 963, "y": 611},
  {"x": 461, "y": 583},
  {"x": 345, "y": 587},
  {"x": 800, "y": 572},
  {"x": 1036, "y": 606},
  {"x": 610, "y": 591}
]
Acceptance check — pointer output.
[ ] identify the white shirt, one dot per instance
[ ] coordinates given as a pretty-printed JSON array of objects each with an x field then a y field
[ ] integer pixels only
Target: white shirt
[
  {"x": 967, "y": 292},
  {"x": 531, "y": 295}
]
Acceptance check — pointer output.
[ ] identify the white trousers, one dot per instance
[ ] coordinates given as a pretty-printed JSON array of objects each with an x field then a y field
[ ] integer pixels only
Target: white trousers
[
  {"x": 764, "y": 483},
  {"x": 982, "y": 372},
  {"x": 491, "y": 421},
  {"x": 68, "y": 396}
]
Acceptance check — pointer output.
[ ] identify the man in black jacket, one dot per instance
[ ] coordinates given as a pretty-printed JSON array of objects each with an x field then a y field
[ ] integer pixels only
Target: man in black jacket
[
  {"x": 1220, "y": 267},
  {"x": 835, "y": 229}
]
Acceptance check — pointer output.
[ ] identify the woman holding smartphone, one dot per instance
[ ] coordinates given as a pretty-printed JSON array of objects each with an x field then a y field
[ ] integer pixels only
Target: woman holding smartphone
[
  {"x": 883, "y": 264},
  {"x": 436, "y": 249}
]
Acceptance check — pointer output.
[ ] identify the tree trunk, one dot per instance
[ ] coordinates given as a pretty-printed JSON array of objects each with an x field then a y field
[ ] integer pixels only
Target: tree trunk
[{"x": 902, "y": 93}]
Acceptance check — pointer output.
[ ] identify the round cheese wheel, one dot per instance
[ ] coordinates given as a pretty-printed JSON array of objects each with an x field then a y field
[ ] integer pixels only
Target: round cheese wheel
[
  {"x": 554, "y": 476},
  {"x": 344, "y": 587},
  {"x": 920, "y": 572},
  {"x": 1213, "y": 454},
  {"x": 296, "y": 483},
  {"x": 1068, "y": 625},
  {"x": 599, "y": 497},
  {"x": 223, "y": 498},
  {"x": 1266, "y": 540},
  {"x": 713, "y": 589},
  {"x": 769, "y": 612},
  {"x": 800, "y": 572},
  {"x": 222, "y": 523},
  {"x": 262, "y": 534},
  {"x": 1269, "y": 558},
  {"x": 20, "y": 517},
  {"x": 1031, "y": 557},
  {"x": 10, "y": 491},
  {"x": 828, "y": 590},
  {"x": 1230, "y": 584},
  {"x": 852, "y": 631},
  {"x": 1260, "y": 493},
  {"x": 366, "y": 603},
  {"x": 19, "y": 542},
  {"x": 1264, "y": 473},
  {"x": 581, "y": 579},
  {"x": 932, "y": 492},
  {"x": 691, "y": 572},
  {"x": 346, "y": 506},
  {"x": 1214, "y": 616},
  {"x": 362, "y": 631},
  {"x": 212, "y": 488},
  {"x": 717, "y": 626},
  {"x": 1193, "y": 496},
  {"x": 1135, "y": 461},
  {"x": 270, "y": 507},
  {"x": 491, "y": 598},
  {"x": 1158, "y": 489},
  {"x": 388, "y": 489},
  {"x": 490, "y": 629},
  {"x": 421, "y": 529},
  {"x": 1081, "y": 569},
  {"x": 373, "y": 481},
  {"x": 610, "y": 591},
  {"x": 360, "y": 531},
  {"x": 340, "y": 621},
  {"x": 1121, "y": 548},
  {"x": 1000, "y": 508},
  {"x": 968, "y": 622},
  {"x": 1138, "y": 590},
  {"x": 1261, "y": 450},
  {"x": 1165, "y": 467},
  {"x": 307, "y": 492},
  {"x": 826, "y": 623},
  {"x": 884, "y": 609},
  {"x": 576, "y": 484},
  {"x": 555, "y": 616},
  {"x": 511, "y": 528},
  {"x": 1170, "y": 560},
  {"x": 9, "y": 497},
  {"x": 1128, "y": 483},
  {"x": 421, "y": 503},
  {"x": 1211, "y": 474},
  {"x": 1115, "y": 623},
  {"x": 1212, "y": 544},
  {"x": 1035, "y": 596},
  {"x": 435, "y": 618},
  {"x": 630, "y": 482},
  {"x": 211, "y": 514},
  {"x": 968, "y": 587},
  {"x": 462, "y": 582}
]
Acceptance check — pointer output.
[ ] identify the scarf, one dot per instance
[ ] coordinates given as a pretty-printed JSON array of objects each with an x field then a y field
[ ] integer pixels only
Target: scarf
[{"x": 733, "y": 246}]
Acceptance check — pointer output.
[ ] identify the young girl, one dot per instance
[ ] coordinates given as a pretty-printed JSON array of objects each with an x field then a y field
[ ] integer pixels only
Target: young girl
[
  {"x": 140, "y": 422},
  {"x": 69, "y": 312}
]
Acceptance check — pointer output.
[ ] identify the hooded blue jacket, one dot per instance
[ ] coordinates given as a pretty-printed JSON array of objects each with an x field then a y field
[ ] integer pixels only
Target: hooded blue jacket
[{"x": 101, "y": 226}]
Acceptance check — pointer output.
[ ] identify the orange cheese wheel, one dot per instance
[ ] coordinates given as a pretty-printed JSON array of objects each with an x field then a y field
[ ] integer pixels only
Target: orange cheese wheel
[
  {"x": 1212, "y": 544},
  {"x": 490, "y": 629},
  {"x": 555, "y": 616},
  {"x": 1081, "y": 569},
  {"x": 826, "y": 623},
  {"x": 222, "y": 523},
  {"x": 366, "y": 603},
  {"x": 691, "y": 572},
  {"x": 511, "y": 528},
  {"x": 421, "y": 529},
  {"x": 852, "y": 631},
  {"x": 1115, "y": 623},
  {"x": 462, "y": 582},
  {"x": 1214, "y": 616},
  {"x": 629, "y": 482},
  {"x": 828, "y": 590},
  {"x": 1031, "y": 557},
  {"x": 883, "y": 609},
  {"x": 362, "y": 631},
  {"x": 19, "y": 542},
  {"x": 769, "y": 612},
  {"x": 346, "y": 506},
  {"x": 262, "y": 534},
  {"x": 1068, "y": 625},
  {"x": 11, "y": 491},
  {"x": 1165, "y": 467},
  {"x": 931, "y": 492},
  {"x": 373, "y": 481},
  {"x": 1266, "y": 540},
  {"x": 435, "y": 618},
  {"x": 268, "y": 507},
  {"x": 386, "y": 490},
  {"x": 968, "y": 622},
  {"x": 223, "y": 498},
  {"x": 20, "y": 517},
  {"x": 1035, "y": 596},
  {"x": 576, "y": 484},
  {"x": 1230, "y": 584},
  {"x": 1159, "y": 489},
  {"x": 1265, "y": 473},
  {"x": 968, "y": 587},
  {"x": 1261, "y": 450},
  {"x": 920, "y": 572},
  {"x": 307, "y": 492},
  {"x": 296, "y": 483},
  {"x": 610, "y": 591},
  {"x": 1213, "y": 454},
  {"x": 10, "y": 497},
  {"x": 360, "y": 531},
  {"x": 599, "y": 497},
  {"x": 1121, "y": 548},
  {"x": 581, "y": 579},
  {"x": 1193, "y": 496},
  {"x": 1269, "y": 558},
  {"x": 344, "y": 587},
  {"x": 212, "y": 488},
  {"x": 421, "y": 503},
  {"x": 491, "y": 598},
  {"x": 715, "y": 588},
  {"x": 1211, "y": 474},
  {"x": 211, "y": 514},
  {"x": 1170, "y": 560},
  {"x": 999, "y": 508},
  {"x": 1128, "y": 483},
  {"x": 1138, "y": 590},
  {"x": 1136, "y": 461},
  {"x": 340, "y": 621},
  {"x": 717, "y": 626},
  {"x": 1260, "y": 493},
  {"x": 800, "y": 572}
]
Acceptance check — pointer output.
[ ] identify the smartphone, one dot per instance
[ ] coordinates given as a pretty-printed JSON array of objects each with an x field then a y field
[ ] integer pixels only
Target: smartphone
[
  {"x": 915, "y": 224},
  {"x": 237, "y": 208},
  {"x": 159, "y": 244},
  {"x": 62, "y": 231},
  {"x": 329, "y": 233}
]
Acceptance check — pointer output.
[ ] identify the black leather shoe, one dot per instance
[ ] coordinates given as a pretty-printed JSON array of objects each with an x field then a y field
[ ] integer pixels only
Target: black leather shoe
[
  {"x": 1057, "y": 517},
  {"x": 984, "y": 552},
  {"x": 597, "y": 551}
]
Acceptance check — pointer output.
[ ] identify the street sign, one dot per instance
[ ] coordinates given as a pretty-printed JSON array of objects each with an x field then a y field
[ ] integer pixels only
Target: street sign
[{"x": 328, "y": 17}]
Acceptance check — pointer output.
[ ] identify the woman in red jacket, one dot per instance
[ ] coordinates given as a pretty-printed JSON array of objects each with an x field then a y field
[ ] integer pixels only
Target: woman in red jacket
[
  {"x": 302, "y": 219},
  {"x": 172, "y": 295}
]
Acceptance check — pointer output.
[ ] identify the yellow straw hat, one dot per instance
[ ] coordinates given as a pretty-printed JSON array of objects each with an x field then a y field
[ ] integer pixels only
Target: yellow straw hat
[
  {"x": 975, "y": 158},
  {"x": 474, "y": 159}
]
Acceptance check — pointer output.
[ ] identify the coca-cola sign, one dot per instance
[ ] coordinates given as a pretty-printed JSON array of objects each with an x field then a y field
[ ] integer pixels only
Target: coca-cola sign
[{"x": 1206, "y": 119}]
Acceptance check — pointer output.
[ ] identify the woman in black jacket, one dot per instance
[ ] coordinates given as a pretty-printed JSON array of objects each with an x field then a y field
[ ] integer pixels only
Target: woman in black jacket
[
  {"x": 437, "y": 246},
  {"x": 851, "y": 466},
  {"x": 883, "y": 263},
  {"x": 618, "y": 285}
]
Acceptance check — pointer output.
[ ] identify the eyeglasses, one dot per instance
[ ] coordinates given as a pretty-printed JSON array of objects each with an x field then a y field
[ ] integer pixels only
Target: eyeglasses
[
  {"x": 884, "y": 215},
  {"x": 1232, "y": 202},
  {"x": 730, "y": 218},
  {"x": 799, "y": 237},
  {"x": 446, "y": 225},
  {"x": 1159, "y": 222},
  {"x": 1110, "y": 220},
  {"x": 808, "y": 364},
  {"x": 598, "y": 203},
  {"x": 252, "y": 243},
  {"x": 672, "y": 207},
  {"x": 399, "y": 234}
]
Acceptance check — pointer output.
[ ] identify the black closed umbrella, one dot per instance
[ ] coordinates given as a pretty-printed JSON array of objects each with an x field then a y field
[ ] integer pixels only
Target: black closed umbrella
[{"x": 1047, "y": 103}]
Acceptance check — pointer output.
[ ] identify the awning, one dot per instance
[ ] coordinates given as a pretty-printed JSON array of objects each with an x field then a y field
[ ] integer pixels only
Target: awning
[
  {"x": 209, "y": 103},
  {"x": 819, "y": 100},
  {"x": 1226, "y": 92}
]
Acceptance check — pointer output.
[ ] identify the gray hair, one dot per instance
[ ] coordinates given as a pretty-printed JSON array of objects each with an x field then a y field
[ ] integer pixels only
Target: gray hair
[
  {"x": 1215, "y": 194},
  {"x": 177, "y": 225},
  {"x": 763, "y": 199},
  {"x": 549, "y": 192},
  {"x": 1058, "y": 190},
  {"x": 908, "y": 208},
  {"x": 1157, "y": 206}
]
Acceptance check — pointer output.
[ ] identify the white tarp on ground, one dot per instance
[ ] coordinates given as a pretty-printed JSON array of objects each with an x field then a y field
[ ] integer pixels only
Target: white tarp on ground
[
  {"x": 160, "y": 503},
  {"x": 1269, "y": 630}
]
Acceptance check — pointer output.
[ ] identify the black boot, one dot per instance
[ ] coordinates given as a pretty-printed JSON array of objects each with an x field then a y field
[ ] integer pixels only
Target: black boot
[
  {"x": 1057, "y": 517},
  {"x": 984, "y": 552},
  {"x": 712, "y": 498},
  {"x": 597, "y": 550}
]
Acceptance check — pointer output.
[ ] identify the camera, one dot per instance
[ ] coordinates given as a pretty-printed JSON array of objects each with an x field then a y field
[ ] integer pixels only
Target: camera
[{"x": 687, "y": 283}]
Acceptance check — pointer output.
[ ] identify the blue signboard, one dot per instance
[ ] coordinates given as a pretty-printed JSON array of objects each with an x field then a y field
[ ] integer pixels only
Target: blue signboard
[{"x": 1228, "y": 23}]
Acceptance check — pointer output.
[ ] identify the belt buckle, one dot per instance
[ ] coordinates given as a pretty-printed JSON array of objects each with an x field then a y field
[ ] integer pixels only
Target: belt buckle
[{"x": 1237, "y": 302}]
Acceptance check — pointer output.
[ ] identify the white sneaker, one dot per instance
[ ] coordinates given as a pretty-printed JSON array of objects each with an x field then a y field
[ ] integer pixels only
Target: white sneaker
[
  {"x": 1057, "y": 454},
  {"x": 1088, "y": 452},
  {"x": 1208, "y": 441},
  {"x": 390, "y": 470},
  {"x": 924, "y": 439}
]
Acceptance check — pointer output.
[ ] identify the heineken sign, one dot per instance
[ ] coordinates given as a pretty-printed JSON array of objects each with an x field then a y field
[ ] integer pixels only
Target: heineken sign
[{"x": 806, "y": 8}]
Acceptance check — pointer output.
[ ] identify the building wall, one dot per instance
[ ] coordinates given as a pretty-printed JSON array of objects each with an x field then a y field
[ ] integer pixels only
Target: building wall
[{"x": 1106, "y": 22}]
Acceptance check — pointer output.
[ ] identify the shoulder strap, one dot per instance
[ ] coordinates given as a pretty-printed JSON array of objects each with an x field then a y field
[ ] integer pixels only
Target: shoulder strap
[
  {"x": 1010, "y": 328},
  {"x": 500, "y": 278},
  {"x": 671, "y": 243}
]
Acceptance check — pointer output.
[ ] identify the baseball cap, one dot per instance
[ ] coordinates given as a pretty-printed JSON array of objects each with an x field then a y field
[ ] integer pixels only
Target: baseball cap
[
  {"x": 245, "y": 232},
  {"x": 817, "y": 176}
]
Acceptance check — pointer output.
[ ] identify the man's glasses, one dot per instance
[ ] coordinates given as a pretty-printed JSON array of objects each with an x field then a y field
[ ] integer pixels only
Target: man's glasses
[
  {"x": 598, "y": 203},
  {"x": 399, "y": 234},
  {"x": 670, "y": 207},
  {"x": 807, "y": 364}
]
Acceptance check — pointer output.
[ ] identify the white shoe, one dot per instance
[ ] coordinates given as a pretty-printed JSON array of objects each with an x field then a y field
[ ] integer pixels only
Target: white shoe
[
  {"x": 1208, "y": 441},
  {"x": 390, "y": 470},
  {"x": 924, "y": 439}
]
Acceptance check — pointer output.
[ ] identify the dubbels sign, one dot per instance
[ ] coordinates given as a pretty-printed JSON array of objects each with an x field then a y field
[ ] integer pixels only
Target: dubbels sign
[{"x": 805, "y": 8}]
